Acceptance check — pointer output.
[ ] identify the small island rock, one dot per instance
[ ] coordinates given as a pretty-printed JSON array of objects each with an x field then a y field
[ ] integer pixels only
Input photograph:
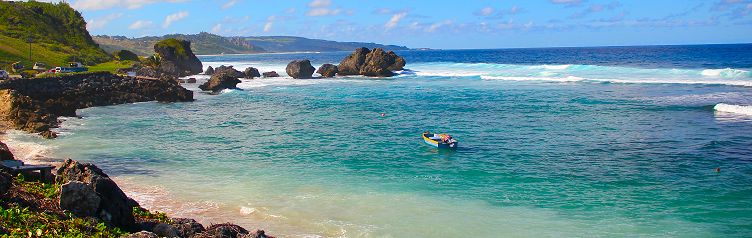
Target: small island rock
[
  {"x": 271, "y": 74},
  {"x": 300, "y": 69},
  {"x": 251, "y": 73},
  {"x": 221, "y": 80},
  {"x": 328, "y": 70}
]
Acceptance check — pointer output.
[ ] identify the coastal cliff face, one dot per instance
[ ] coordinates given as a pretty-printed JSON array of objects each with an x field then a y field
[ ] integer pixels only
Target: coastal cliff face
[{"x": 33, "y": 105}]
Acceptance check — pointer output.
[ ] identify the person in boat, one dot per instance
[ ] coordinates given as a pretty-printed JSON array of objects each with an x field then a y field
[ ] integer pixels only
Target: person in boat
[{"x": 446, "y": 138}]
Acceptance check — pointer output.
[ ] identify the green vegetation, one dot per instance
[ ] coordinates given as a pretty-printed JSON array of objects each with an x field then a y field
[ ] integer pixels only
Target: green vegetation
[
  {"x": 18, "y": 221},
  {"x": 57, "y": 32},
  {"x": 123, "y": 55},
  {"x": 143, "y": 214},
  {"x": 180, "y": 51},
  {"x": 112, "y": 66}
]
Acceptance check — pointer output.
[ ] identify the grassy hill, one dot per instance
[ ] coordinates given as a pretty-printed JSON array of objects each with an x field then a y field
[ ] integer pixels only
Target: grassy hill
[
  {"x": 207, "y": 44},
  {"x": 57, "y": 32},
  {"x": 202, "y": 44}
]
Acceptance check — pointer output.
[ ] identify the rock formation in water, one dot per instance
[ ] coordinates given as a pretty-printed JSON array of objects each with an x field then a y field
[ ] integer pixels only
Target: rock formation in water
[
  {"x": 209, "y": 71},
  {"x": 221, "y": 80},
  {"x": 271, "y": 74},
  {"x": 251, "y": 73},
  {"x": 328, "y": 70},
  {"x": 376, "y": 63},
  {"x": 300, "y": 69},
  {"x": 177, "y": 58},
  {"x": 33, "y": 105}
]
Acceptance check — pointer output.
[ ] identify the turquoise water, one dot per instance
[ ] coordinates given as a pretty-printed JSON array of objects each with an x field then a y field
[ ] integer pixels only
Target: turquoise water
[{"x": 546, "y": 150}]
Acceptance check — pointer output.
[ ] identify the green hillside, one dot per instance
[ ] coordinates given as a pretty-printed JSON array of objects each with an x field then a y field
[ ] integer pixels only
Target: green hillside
[
  {"x": 300, "y": 44},
  {"x": 202, "y": 44},
  {"x": 57, "y": 32}
]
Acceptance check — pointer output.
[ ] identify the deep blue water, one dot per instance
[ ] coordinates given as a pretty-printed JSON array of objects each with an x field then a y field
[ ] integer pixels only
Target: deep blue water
[{"x": 594, "y": 142}]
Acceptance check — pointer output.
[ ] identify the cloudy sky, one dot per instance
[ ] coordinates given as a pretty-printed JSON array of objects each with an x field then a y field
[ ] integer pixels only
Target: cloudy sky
[{"x": 434, "y": 23}]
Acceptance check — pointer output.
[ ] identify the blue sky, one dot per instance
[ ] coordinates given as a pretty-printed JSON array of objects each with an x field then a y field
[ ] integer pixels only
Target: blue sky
[{"x": 436, "y": 24}]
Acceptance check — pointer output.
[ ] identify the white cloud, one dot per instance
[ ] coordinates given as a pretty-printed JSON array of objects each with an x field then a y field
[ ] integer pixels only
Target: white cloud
[
  {"x": 229, "y": 4},
  {"x": 438, "y": 25},
  {"x": 320, "y": 3},
  {"x": 172, "y": 18},
  {"x": 269, "y": 23},
  {"x": 323, "y": 12},
  {"x": 396, "y": 18},
  {"x": 486, "y": 11},
  {"x": 217, "y": 28},
  {"x": 141, "y": 24},
  {"x": 99, "y": 23},
  {"x": 107, "y": 4}
]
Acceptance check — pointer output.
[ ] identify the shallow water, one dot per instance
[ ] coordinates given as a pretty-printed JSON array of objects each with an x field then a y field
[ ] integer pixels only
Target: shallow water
[{"x": 546, "y": 150}]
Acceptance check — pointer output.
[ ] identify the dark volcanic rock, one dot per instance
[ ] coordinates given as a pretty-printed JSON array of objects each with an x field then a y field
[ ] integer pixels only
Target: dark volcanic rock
[
  {"x": 351, "y": 64},
  {"x": 271, "y": 74},
  {"x": 224, "y": 231},
  {"x": 115, "y": 208},
  {"x": 221, "y": 80},
  {"x": 5, "y": 153},
  {"x": 79, "y": 198},
  {"x": 191, "y": 80},
  {"x": 328, "y": 70},
  {"x": 142, "y": 234},
  {"x": 376, "y": 63},
  {"x": 187, "y": 227},
  {"x": 300, "y": 69},
  {"x": 6, "y": 180},
  {"x": 209, "y": 71},
  {"x": 177, "y": 58},
  {"x": 251, "y": 72},
  {"x": 33, "y": 105}
]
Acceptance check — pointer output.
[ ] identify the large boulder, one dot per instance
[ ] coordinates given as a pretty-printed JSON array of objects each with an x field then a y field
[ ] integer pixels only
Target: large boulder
[
  {"x": 300, "y": 69},
  {"x": 221, "y": 80},
  {"x": 251, "y": 72},
  {"x": 376, "y": 63},
  {"x": 271, "y": 74},
  {"x": 5, "y": 153},
  {"x": 114, "y": 208},
  {"x": 229, "y": 70},
  {"x": 209, "y": 71},
  {"x": 351, "y": 64},
  {"x": 177, "y": 58},
  {"x": 79, "y": 198},
  {"x": 226, "y": 230},
  {"x": 328, "y": 70}
]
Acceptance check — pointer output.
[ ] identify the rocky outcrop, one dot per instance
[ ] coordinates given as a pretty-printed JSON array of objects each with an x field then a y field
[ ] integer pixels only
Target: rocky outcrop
[
  {"x": 328, "y": 70},
  {"x": 230, "y": 231},
  {"x": 142, "y": 234},
  {"x": 376, "y": 63},
  {"x": 176, "y": 227},
  {"x": 5, "y": 153},
  {"x": 251, "y": 73},
  {"x": 271, "y": 74},
  {"x": 177, "y": 58},
  {"x": 300, "y": 69},
  {"x": 225, "y": 79},
  {"x": 229, "y": 70},
  {"x": 209, "y": 71},
  {"x": 191, "y": 80},
  {"x": 123, "y": 55},
  {"x": 6, "y": 180},
  {"x": 33, "y": 105},
  {"x": 114, "y": 207}
]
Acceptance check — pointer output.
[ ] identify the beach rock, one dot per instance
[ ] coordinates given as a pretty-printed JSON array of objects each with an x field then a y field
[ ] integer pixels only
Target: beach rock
[
  {"x": 328, "y": 70},
  {"x": 187, "y": 227},
  {"x": 33, "y": 105},
  {"x": 209, "y": 71},
  {"x": 376, "y": 63},
  {"x": 226, "y": 230},
  {"x": 79, "y": 198},
  {"x": 251, "y": 72},
  {"x": 257, "y": 234},
  {"x": 191, "y": 80},
  {"x": 142, "y": 234},
  {"x": 271, "y": 74},
  {"x": 115, "y": 208},
  {"x": 165, "y": 230},
  {"x": 351, "y": 64},
  {"x": 5, "y": 153},
  {"x": 177, "y": 58},
  {"x": 300, "y": 69},
  {"x": 221, "y": 80}
]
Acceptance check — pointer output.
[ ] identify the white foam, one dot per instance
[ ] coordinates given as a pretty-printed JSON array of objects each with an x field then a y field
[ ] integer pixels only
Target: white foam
[
  {"x": 552, "y": 67},
  {"x": 551, "y": 79},
  {"x": 725, "y": 73},
  {"x": 736, "y": 109}
]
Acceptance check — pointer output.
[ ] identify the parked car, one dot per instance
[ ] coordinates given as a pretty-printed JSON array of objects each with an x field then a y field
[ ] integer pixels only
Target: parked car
[
  {"x": 39, "y": 66},
  {"x": 4, "y": 74}
]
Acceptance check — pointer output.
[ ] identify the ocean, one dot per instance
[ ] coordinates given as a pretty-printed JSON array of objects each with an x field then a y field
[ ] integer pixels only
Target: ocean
[{"x": 556, "y": 142}]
